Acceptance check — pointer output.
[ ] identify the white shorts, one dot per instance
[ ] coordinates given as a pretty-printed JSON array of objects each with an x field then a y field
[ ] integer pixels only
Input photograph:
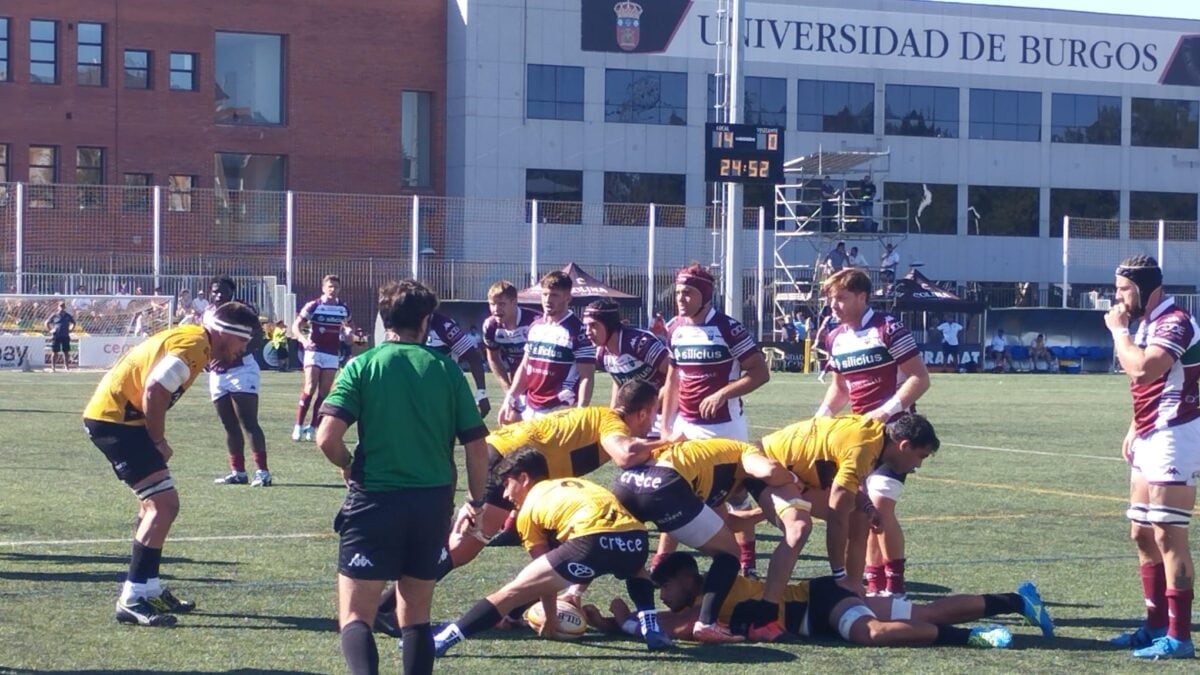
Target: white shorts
[
  {"x": 1170, "y": 456},
  {"x": 240, "y": 380},
  {"x": 529, "y": 413},
  {"x": 735, "y": 429},
  {"x": 322, "y": 360},
  {"x": 697, "y": 531}
]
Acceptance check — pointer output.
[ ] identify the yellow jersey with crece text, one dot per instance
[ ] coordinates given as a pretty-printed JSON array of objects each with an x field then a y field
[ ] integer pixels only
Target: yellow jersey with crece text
[
  {"x": 713, "y": 466},
  {"x": 568, "y": 439},
  {"x": 744, "y": 589},
  {"x": 565, "y": 508},
  {"x": 118, "y": 397},
  {"x": 827, "y": 451}
]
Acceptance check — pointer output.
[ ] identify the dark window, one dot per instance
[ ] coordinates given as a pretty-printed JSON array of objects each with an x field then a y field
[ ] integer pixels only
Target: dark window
[
  {"x": 836, "y": 107},
  {"x": 1006, "y": 115},
  {"x": 1002, "y": 211},
  {"x": 939, "y": 215},
  {"x": 135, "y": 195},
  {"x": 250, "y": 198},
  {"x": 764, "y": 101},
  {"x": 921, "y": 111},
  {"x": 43, "y": 174},
  {"x": 1177, "y": 209},
  {"x": 1162, "y": 123},
  {"x": 1097, "y": 212},
  {"x": 89, "y": 176},
  {"x": 626, "y": 192},
  {"x": 645, "y": 97},
  {"x": 248, "y": 69},
  {"x": 3, "y": 50},
  {"x": 43, "y": 51},
  {"x": 415, "y": 140},
  {"x": 554, "y": 92},
  {"x": 559, "y": 194},
  {"x": 137, "y": 69},
  {"x": 89, "y": 62},
  {"x": 183, "y": 72},
  {"x": 3, "y": 163},
  {"x": 179, "y": 192},
  {"x": 1084, "y": 118}
]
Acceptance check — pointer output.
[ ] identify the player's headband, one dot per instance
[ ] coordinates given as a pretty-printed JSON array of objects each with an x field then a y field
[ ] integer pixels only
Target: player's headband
[
  {"x": 1147, "y": 277},
  {"x": 212, "y": 323},
  {"x": 610, "y": 317},
  {"x": 705, "y": 286}
]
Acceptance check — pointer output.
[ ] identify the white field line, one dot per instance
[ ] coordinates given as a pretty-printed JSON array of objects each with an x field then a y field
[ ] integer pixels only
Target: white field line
[{"x": 225, "y": 537}]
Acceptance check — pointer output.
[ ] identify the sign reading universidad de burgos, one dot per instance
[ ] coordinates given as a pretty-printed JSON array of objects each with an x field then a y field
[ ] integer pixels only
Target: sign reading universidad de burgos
[{"x": 797, "y": 34}]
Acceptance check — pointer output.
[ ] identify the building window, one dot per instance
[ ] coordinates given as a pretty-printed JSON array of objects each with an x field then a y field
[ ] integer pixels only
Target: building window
[
  {"x": 921, "y": 111},
  {"x": 554, "y": 92},
  {"x": 3, "y": 163},
  {"x": 626, "y": 193},
  {"x": 1002, "y": 211},
  {"x": 135, "y": 195},
  {"x": 43, "y": 174},
  {"x": 1083, "y": 118},
  {"x": 932, "y": 208},
  {"x": 764, "y": 101},
  {"x": 836, "y": 107},
  {"x": 137, "y": 69},
  {"x": 559, "y": 194},
  {"x": 43, "y": 51},
  {"x": 89, "y": 176},
  {"x": 179, "y": 192},
  {"x": 1163, "y": 123},
  {"x": 249, "y": 196},
  {"x": 1177, "y": 209},
  {"x": 1006, "y": 115},
  {"x": 3, "y": 49},
  {"x": 1101, "y": 207},
  {"x": 248, "y": 68},
  {"x": 89, "y": 61},
  {"x": 645, "y": 97},
  {"x": 183, "y": 72},
  {"x": 415, "y": 139}
]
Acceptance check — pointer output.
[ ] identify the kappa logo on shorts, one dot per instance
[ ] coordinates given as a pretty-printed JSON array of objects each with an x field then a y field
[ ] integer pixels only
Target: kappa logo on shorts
[
  {"x": 1172, "y": 471},
  {"x": 360, "y": 560},
  {"x": 580, "y": 570}
]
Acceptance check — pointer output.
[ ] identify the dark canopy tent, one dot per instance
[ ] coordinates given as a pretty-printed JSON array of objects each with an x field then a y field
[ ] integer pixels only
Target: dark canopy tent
[
  {"x": 916, "y": 293},
  {"x": 585, "y": 288}
]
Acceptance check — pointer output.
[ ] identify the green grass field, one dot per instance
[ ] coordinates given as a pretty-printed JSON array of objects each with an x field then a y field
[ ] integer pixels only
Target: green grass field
[{"x": 1028, "y": 484}]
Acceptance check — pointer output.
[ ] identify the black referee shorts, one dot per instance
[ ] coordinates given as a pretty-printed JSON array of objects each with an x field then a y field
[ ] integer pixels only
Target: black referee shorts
[{"x": 391, "y": 535}]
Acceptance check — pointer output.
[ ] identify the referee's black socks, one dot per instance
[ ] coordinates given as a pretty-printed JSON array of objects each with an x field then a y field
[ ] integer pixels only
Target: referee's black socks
[{"x": 358, "y": 648}]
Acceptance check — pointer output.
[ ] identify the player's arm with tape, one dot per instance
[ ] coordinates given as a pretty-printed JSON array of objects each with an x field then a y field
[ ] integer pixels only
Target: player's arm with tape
[
  {"x": 511, "y": 408},
  {"x": 916, "y": 384},
  {"x": 168, "y": 376},
  {"x": 755, "y": 373},
  {"x": 836, "y": 397},
  {"x": 670, "y": 400}
]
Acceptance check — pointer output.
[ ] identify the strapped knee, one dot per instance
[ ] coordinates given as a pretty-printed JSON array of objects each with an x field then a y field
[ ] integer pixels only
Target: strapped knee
[
  {"x": 851, "y": 617},
  {"x": 149, "y": 491},
  {"x": 1163, "y": 516},
  {"x": 884, "y": 486}
]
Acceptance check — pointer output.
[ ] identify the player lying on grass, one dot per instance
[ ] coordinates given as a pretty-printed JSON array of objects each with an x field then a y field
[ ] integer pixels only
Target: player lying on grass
[
  {"x": 680, "y": 490},
  {"x": 594, "y": 536},
  {"x": 821, "y": 608}
]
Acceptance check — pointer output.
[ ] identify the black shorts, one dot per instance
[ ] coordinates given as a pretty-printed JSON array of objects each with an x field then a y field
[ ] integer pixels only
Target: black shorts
[
  {"x": 582, "y": 559},
  {"x": 887, "y": 472},
  {"x": 824, "y": 594},
  {"x": 128, "y": 449},
  {"x": 60, "y": 344},
  {"x": 755, "y": 487},
  {"x": 949, "y": 350},
  {"x": 392, "y": 535},
  {"x": 493, "y": 492},
  {"x": 657, "y": 494}
]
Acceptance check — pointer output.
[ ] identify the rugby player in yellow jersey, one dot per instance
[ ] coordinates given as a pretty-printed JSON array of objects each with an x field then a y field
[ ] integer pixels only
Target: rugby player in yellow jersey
[
  {"x": 821, "y": 608},
  {"x": 126, "y": 420},
  {"x": 831, "y": 457},
  {"x": 575, "y": 442},
  {"x": 594, "y": 536},
  {"x": 678, "y": 491}
]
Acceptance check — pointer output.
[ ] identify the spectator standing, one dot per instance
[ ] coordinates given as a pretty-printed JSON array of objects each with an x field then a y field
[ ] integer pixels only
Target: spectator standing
[
  {"x": 867, "y": 194},
  {"x": 950, "y": 328},
  {"x": 890, "y": 260},
  {"x": 829, "y": 206},
  {"x": 59, "y": 326},
  {"x": 836, "y": 260}
]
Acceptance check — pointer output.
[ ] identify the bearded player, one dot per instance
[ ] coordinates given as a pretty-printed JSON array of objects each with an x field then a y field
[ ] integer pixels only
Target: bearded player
[{"x": 870, "y": 353}]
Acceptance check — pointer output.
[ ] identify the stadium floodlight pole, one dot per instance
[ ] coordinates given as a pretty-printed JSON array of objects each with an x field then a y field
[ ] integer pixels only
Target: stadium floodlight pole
[
  {"x": 289, "y": 252},
  {"x": 650, "y": 264},
  {"x": 733, "y": 191},
  {"x": 20, "y": 247},
  {"x": 1066, "y": 263},
  {"x": 416, "y": 237},
  {"x": 760, "y": 295},
  {"x": 533, "y": 242},
  {"x": 157, "y": 235}
]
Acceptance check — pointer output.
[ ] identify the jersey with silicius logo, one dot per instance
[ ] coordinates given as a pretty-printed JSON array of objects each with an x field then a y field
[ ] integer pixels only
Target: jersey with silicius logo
[
  {"x": 639, "y": 356},
  {"x": 553, "y": 349},
  {"x": 868, "y": 359},
  {"x": 707, "y": 354}
]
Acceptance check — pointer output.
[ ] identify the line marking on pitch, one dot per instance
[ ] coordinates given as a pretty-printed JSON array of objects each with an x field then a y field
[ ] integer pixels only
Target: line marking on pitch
[
  {"x": 1008, "y": 516},
  {"x": 1021, "y": 488},
  {"x": 227, "y": 537}
]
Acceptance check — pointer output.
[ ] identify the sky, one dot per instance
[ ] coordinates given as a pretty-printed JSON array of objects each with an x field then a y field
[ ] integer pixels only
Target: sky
[{"x": 1177, "y": 9}]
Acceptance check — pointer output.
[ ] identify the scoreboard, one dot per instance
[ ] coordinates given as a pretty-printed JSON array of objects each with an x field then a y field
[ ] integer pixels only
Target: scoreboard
[{"x": 743, "y": 153}]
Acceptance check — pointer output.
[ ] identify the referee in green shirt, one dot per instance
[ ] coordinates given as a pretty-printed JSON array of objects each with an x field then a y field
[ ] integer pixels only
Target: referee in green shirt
[{"x": 410, "y": 403}]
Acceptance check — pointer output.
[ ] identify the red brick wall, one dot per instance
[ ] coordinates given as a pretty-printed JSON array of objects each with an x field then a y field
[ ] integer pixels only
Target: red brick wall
[{"x": 345, "y": 64}]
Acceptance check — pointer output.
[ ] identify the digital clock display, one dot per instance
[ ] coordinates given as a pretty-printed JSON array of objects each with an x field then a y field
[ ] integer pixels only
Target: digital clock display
[{"x": 743, "y": 153}]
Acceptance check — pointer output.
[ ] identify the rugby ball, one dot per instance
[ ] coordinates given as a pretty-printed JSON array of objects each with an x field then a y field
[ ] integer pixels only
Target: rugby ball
[{"x": 571, "y": 622}]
